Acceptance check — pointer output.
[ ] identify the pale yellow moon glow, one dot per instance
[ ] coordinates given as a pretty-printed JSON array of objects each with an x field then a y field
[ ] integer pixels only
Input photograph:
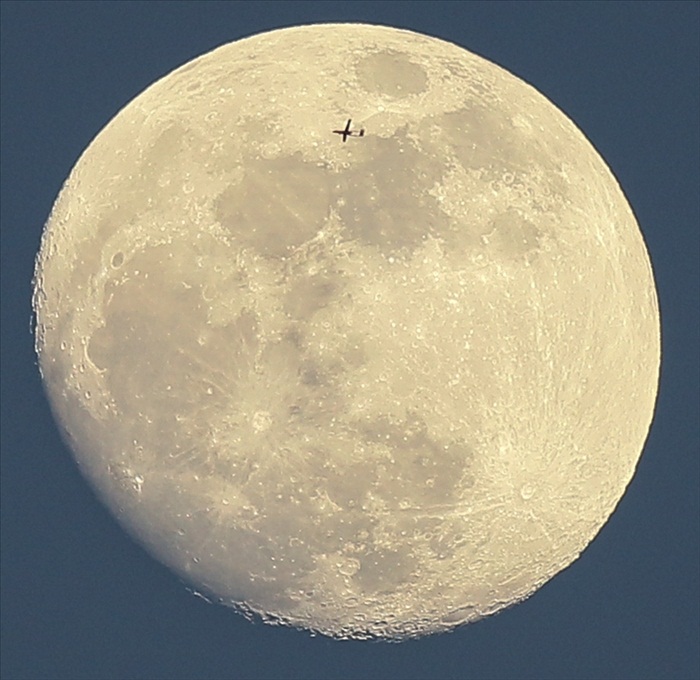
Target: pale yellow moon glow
[{"x": 376, "y": 387}]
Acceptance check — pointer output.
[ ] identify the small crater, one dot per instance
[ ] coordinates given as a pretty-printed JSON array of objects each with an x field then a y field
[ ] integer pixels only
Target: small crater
[
  {"x": 527, "y": 491},
  {"x": 460, "y": 615},
  {"x": 349, "y": 567},
  {"x": 117, "y": 260},
  {"x": 261, "y": 421},
  {"x": 125, "y": 477}
]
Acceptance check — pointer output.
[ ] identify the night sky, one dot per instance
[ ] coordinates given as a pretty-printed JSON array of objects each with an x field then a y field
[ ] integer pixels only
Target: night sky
[{"x": 81, "y": 600}]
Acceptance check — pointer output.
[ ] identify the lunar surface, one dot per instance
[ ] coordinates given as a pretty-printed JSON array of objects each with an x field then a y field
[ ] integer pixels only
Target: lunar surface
[{"x": 376, "y": 387}]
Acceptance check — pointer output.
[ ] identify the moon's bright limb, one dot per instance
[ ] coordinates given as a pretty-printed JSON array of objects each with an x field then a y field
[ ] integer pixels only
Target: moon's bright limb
[{"x": 374, "y": 388}]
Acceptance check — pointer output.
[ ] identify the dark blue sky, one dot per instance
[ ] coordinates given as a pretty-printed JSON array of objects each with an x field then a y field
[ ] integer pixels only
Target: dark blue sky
[{"x": 81, "y": 600}]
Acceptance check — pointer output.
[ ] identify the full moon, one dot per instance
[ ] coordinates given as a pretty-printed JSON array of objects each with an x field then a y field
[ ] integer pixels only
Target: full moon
[{"x": 372, "y": 386}]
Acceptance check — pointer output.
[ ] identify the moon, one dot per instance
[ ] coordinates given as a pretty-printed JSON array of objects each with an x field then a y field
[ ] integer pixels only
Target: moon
[{"x": 373, "y": 387}]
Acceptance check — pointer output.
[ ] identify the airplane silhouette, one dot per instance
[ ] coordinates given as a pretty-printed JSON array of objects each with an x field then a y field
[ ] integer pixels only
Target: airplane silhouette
[{"x": 347, "y": 133}]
